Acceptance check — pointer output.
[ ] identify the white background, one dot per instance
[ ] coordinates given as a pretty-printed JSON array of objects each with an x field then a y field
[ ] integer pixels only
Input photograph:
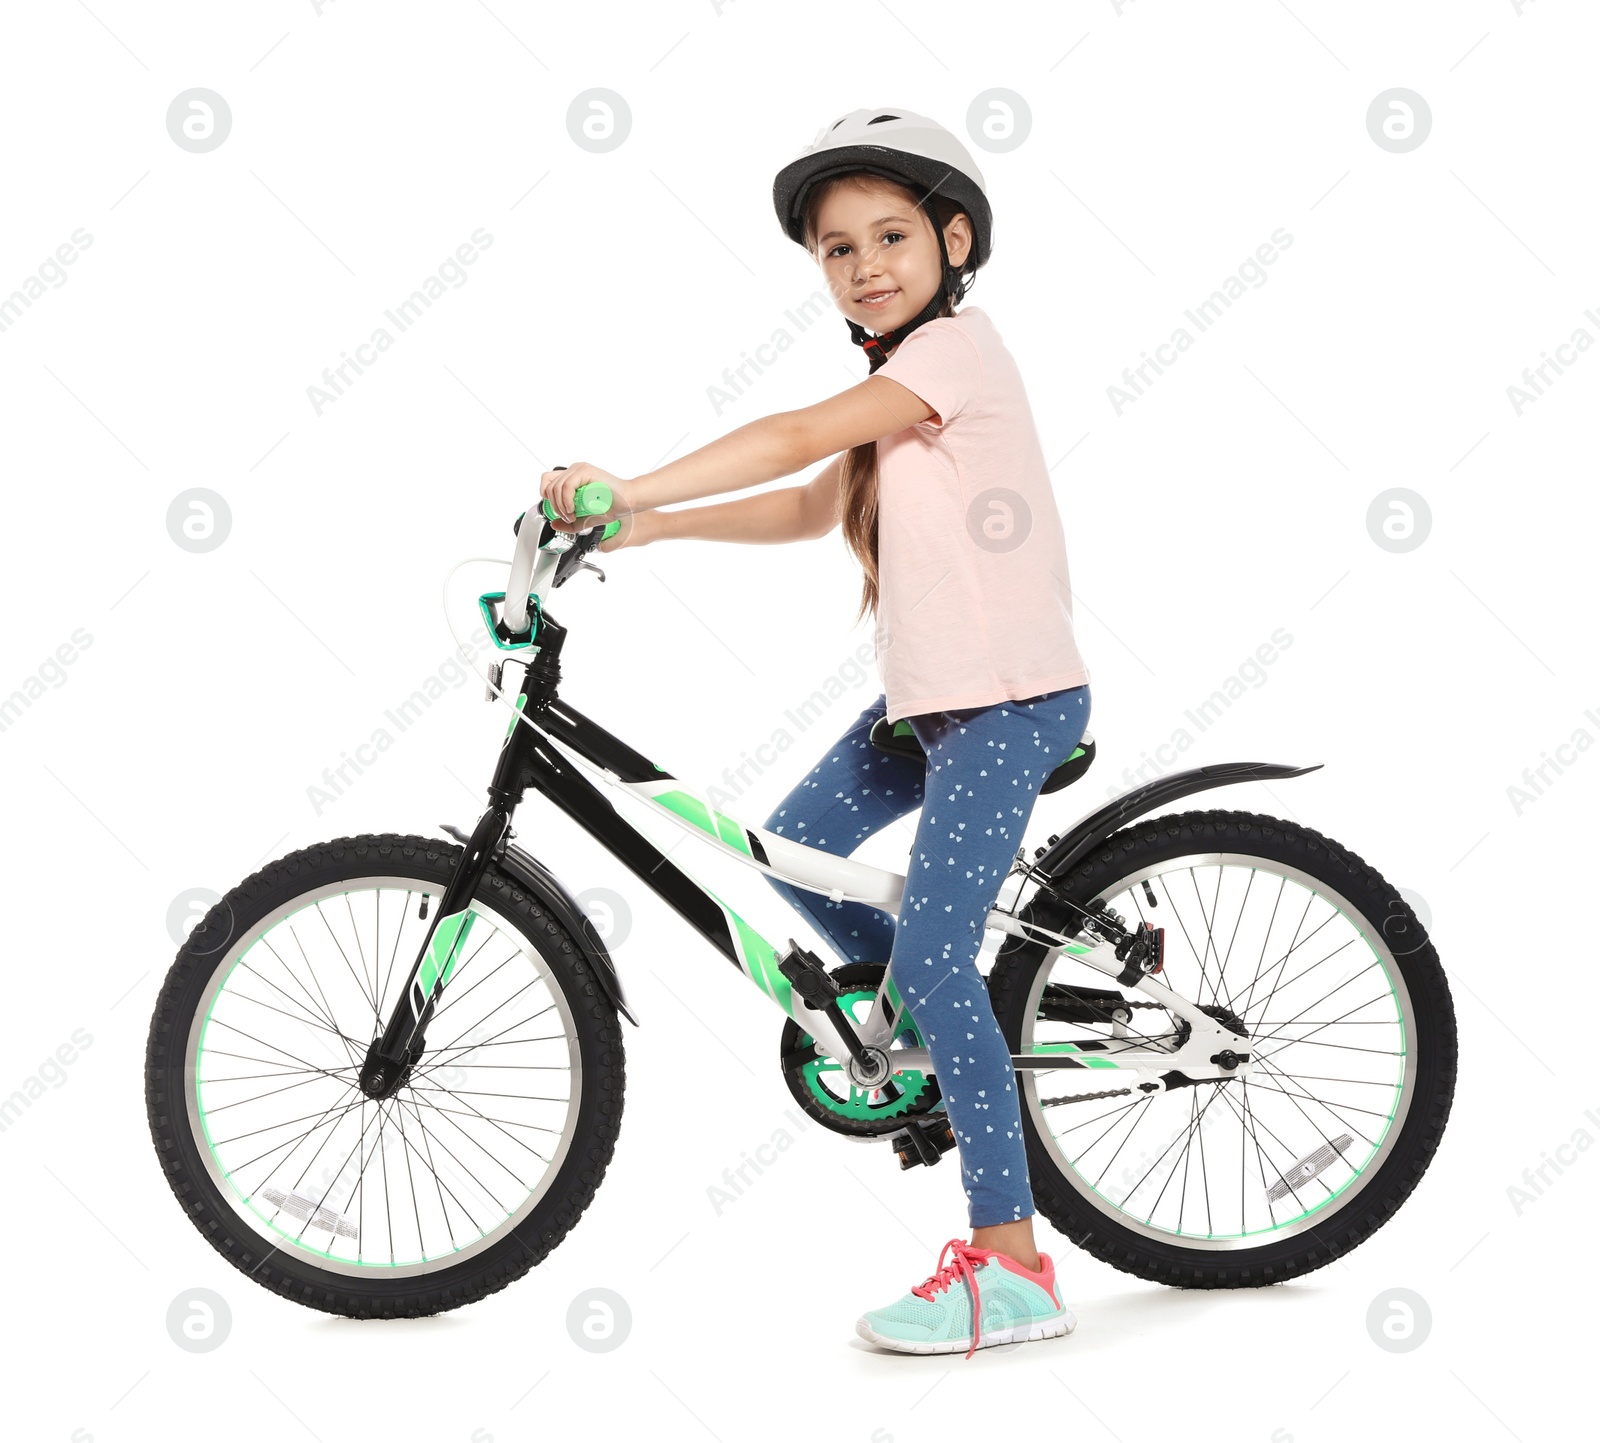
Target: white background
[{"x": 1232, "y": 499}]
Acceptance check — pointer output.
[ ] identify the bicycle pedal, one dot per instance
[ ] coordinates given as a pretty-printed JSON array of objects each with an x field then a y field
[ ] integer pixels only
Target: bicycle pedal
[
  {"x": 923, "y": 1141},
  {"x": 808, "y": 976}
]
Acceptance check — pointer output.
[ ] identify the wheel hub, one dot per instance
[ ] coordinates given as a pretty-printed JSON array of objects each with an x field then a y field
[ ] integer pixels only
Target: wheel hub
[
  {"x": 1230, "y": 1020},
  {"x": 380, "y": 1080}
]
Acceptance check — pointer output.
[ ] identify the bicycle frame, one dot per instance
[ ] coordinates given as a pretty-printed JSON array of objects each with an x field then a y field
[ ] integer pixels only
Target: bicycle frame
[{"x": 529, "y": 758}]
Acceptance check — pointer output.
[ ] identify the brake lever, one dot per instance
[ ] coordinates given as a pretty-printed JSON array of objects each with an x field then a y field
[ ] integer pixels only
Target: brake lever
[{"x": 576, "y": 555}]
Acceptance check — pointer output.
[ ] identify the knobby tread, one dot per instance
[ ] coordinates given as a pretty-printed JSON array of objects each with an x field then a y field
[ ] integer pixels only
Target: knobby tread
[
  {"x": 1160, "y": 838},
  {"x": 598, "y": 1118}
]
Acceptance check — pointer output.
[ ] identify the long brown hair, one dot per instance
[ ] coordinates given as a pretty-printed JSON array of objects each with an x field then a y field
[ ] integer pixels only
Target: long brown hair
[{"x": 858, "y": 473}]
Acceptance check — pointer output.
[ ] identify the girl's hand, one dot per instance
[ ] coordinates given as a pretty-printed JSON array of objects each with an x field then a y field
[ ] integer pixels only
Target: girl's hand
[
  {"x": 560, "y": 487},
  {"x": 639, "y": 528}
]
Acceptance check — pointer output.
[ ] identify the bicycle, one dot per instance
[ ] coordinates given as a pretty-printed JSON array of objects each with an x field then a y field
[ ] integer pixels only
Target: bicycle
[{"x": 340, "y": 1085}]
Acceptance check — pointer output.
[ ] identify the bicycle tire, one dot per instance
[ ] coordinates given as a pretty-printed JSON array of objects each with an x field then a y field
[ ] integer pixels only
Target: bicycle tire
[{"x": 229, "y": 929}]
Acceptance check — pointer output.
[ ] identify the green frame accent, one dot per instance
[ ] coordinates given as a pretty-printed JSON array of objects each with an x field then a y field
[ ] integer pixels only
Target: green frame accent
[
  {"x": 762, "y": 959},
  {"x": 440, "y": 962},
  {"x": 1089, "y": 1058},
  {"x": 715, "y": 823},
  {"x": 489, "y": 621}
]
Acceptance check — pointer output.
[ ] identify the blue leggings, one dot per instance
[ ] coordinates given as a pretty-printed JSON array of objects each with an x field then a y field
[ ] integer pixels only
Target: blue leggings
[{"x": 984, "y": 770}]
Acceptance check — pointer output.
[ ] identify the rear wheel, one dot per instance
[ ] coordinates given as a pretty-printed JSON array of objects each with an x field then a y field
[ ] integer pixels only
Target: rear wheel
[
  {"x": 1317, "y": 961},
  {"x": 479, "y": 1164}
]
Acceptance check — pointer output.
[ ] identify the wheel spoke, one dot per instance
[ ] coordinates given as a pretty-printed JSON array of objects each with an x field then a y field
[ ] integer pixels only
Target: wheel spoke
[
  {"x": 1268, "y": 1037},
  {"x": 1294, "y": 1095},
  {"x": 383, "y": 993},
  {"x": 428, "y": 1139},
  {"x": 317, "y": 1018},
  {"x": 261, "y": 1042},
  {"x": 1243, "y": 902},
  {"x": 250, "y": 1101},
  {"x": 292, "y": 1144},
  {"x": 245, "y": 997},
  {"x": 349, "y": 1049},
  {"x": 1277, "y": 987},
  {"x": 449, "y": 1116},
  {"x": 358, "y": 980}
]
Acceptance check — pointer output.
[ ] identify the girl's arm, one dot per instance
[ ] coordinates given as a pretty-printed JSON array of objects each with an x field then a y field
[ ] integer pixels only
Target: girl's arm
[
  {"x": 794, "y": 513},
  {"x": 782, "y": 444}
]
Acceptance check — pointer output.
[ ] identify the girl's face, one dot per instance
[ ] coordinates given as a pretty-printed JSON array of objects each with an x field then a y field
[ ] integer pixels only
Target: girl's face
[{"x": 879, "y": 254}]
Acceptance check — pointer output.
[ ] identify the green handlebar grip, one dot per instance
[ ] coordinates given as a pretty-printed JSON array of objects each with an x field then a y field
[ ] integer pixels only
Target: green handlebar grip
[{"x": 593, "y": 498}]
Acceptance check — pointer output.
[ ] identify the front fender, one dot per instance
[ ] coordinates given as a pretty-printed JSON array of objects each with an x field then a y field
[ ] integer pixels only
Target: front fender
[
  {"x": 1072, "y": 847},
  {"x": 533, "y": 876}
]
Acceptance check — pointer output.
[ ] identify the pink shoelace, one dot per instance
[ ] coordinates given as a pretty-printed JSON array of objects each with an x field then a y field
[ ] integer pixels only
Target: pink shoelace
[{"x": 963, "y": 1264}]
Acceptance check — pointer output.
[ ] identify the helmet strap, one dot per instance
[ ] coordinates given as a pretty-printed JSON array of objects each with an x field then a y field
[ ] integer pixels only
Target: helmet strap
[{"x": 878, "y": 347}]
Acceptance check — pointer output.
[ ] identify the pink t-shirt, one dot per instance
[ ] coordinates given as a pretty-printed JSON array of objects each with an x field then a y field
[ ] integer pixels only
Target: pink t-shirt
[{"x": 975, "y": 604}]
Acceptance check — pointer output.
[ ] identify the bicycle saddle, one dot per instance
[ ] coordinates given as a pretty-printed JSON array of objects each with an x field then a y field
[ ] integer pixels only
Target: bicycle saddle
[{"x": 900, "y": 741}]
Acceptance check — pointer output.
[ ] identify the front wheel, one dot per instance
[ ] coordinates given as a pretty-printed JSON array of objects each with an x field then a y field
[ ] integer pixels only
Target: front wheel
[
  {"x": 1306, "y": 951},
  {"x": 456, "y": 1185}
]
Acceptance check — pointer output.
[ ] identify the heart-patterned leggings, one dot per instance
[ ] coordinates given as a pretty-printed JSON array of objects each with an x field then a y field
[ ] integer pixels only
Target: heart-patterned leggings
[{"x": 984, "y": 768}]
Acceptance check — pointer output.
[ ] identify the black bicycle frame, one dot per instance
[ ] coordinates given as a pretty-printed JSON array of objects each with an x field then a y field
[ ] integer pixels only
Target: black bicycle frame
[{"x": 528, "y": 759}]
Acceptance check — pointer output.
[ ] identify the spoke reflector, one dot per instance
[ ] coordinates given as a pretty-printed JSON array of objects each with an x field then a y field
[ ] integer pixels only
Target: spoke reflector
[{"x": 1309, "y": 1166}]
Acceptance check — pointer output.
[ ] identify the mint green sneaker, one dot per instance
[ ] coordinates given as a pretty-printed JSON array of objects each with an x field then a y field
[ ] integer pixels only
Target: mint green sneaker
[{"x": 978, "y": 1299}]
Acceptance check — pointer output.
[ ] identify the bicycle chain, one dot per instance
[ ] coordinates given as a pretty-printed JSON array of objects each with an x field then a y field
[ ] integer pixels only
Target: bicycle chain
[
  {"x": 1115, "y": 1091},
  {"x": 1084, "y": 1096},
  {"x": 1111, "y": 1092}
]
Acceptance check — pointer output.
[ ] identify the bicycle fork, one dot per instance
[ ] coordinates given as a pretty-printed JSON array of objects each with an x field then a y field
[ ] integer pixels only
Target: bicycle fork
[{"x": 392, "y": 1054}]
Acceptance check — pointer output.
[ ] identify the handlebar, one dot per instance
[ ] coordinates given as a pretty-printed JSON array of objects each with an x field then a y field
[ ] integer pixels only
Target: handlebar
[{"x": 592, "y": 499}]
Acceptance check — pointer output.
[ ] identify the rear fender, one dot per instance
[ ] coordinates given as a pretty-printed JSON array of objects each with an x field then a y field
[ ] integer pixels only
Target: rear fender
[{"x": 1068, "y": 850}]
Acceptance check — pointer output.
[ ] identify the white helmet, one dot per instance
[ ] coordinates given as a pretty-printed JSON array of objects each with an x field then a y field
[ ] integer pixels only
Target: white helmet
[{"x": 902, "y": 146}]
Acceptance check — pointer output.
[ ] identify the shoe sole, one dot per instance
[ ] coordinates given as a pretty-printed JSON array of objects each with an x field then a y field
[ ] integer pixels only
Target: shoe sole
[{"x": 1022, "y": 1333}]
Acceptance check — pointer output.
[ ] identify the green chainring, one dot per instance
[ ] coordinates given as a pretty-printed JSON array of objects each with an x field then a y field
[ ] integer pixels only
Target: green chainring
[{"x": 866, "y": 1106}]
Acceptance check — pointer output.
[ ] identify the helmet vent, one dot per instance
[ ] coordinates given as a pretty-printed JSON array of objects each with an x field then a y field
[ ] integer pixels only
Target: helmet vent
[{"x": 876, "y": 118}]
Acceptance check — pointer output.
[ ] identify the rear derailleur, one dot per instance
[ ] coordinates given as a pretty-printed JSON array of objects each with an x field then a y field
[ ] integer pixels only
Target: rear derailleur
[{"x": 1141, "y": 950}]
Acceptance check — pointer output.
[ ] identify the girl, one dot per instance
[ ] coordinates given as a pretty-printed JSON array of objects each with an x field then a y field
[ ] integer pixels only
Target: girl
[{"x": 939, "y": 482}]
